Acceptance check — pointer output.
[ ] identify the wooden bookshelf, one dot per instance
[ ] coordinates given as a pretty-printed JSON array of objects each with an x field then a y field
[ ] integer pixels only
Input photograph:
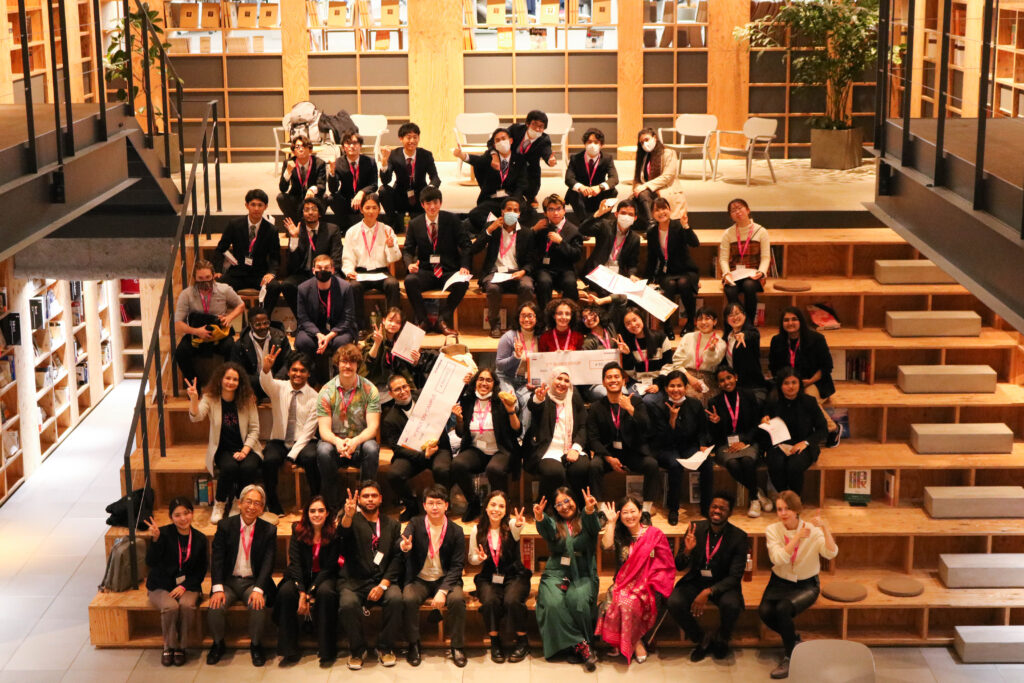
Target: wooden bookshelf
[
  {"x": 1009, "y": 60},
  {"x": 129, "y": 328}
]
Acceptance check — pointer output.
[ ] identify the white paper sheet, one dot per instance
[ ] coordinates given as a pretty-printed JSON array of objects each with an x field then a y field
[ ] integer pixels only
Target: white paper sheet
[
  {"x": 431, "y": 412},
  {"x": 608, "y": 279},
  {"x": 742, "y": 273},
  {"x": 230, "y": 258},
  {"x": 455, "y": 279},
  {"x": 777, "y": 429},
  {"x": 659, "y": 306},
  {"x": 498, "y": 278},
  {"x": 409, "y": 339},
  {"x": 370, "y": 277},
  {"x": 584, "y": 366},
  {"x": 697, "y": 459}
]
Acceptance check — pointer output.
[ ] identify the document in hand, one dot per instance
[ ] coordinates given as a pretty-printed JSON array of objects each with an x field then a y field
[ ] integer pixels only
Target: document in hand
[
  {"x": 409, "y": 339},
  {"x": 697, "y": 459},
  {"x": 654, "y": 303},
  {"x": 608, "y": 279},
  {"x": 777, "y": 429},
  {"x": 742, "y": 273},
  {"x": 370, "y": 277},
  {"x": 584, "y": 366},
  {"x": 434, "y": 407},
  {"x": 498, "y": 278},
  {"x": 455, "y": 279}
]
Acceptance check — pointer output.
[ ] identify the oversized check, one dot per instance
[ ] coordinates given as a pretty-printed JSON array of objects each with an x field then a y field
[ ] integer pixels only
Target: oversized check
[
  {"x": 584, "y": 366},
  {"x": 434, "y": 406}
]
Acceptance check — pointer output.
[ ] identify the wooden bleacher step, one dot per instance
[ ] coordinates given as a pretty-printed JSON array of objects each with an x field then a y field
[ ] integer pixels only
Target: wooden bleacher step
[
  {"x": 989, "y": 644},
  {"x": 980, "y": 437},
  {"x": 946, "y": 379},
  {"x": 933, "y": 323},
  {"x": 910, "y": 272},
  {"x": 982, "y": 570},
  {"x": 960, "y": 502}
]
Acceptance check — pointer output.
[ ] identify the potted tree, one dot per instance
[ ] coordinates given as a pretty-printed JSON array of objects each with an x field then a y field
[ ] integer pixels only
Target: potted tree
[{"x": 842, "y": 35}]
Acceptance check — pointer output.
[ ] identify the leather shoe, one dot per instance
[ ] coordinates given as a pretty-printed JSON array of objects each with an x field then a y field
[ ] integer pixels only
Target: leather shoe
[
  {"x": 719, "y": 648},
  {"x": 180, "y": 658},
  {"x": 215, "y": 653},
  {"x": 258, "y": 658},
  {"x": 495, "y": 332},
  {"x": 701, "y": 651},
  {"x": 459, "y": 657},
  {"x": 673, "y": 517},
  {"x": 413, "y": 656},
  {"x": 443, "y": 328},
  {"x": 521, "y": 649},
  {"x": 167, "y": 658}
]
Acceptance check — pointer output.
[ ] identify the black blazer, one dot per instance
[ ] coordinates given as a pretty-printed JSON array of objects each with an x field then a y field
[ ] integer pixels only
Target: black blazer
[
  {"x": 341, "y": 319},
  {"x": 492, "y": 242},
  {"x": 391, "y": 428},
  {"x": 358, "y": 553},
  {"x": 328, "y": 241},
  {"x": 296, "y": 186},
  {"x": 266, "y": 251},
  {"x": 746, "y": 360},
  {"x": 244, "y": 353},
  {"x": 162, "y": 560},
  {"x": 300, "y": 563},
  {"x": 452, "y": 552},
  {"x": 812, "y": 356},
  {"x": 747, "y": 424},
  {"x": 503, "y": 432},
  {"x": 563, "y": 255},
  {"x": 691, "y": 426},
  {"x": 536, "y": 153},
  {"x": 453, "y": 243},
  {"x": 489, "y": 179},
  {"x": 727, "y": 565},
  {"x": 261, "y": 556},
  {"x": 423, "y": 169},
  {"x": 803, "y": 418},
  {"x": 605, "y": 229},
  {"x": 510, "y": 559},
  {"x": 542, "y": 427},
  {"x": 576, "y": 171},
  {"x": 680, "y": 262},
  {"x": 633, "y": 429},
  {"x": 340, "y": 184}
]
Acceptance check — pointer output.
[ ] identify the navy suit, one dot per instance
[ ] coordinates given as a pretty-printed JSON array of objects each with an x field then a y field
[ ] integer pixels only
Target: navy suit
[{"x": 340, "y": 318}]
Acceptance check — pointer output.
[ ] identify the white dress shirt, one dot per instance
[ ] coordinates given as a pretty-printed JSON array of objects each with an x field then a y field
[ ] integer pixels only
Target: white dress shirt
[
  {"x": 379, "y": 255},
  {"x": 280, "y": 393},
  {"x": 805, "y": 564}
]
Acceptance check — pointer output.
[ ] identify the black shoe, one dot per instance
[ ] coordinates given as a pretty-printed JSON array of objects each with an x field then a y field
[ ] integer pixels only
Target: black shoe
[
  {"x": 215, "y": 653},
  {"x": 719, "y": 648},
  {"x": 834, "y": 438},
  {"x": 587, "y": 656},
  {"x": 256, "y": 653},
  {"x": 443, "y": 328},
  {"x": 472, "y": 510},
  {"x": 289, "y": 660},
  {"x": 521, "y": 649},
  {"x": 327, "y": 662},
  {"x": 497, "y": 654},
  {"x": 180, "y": 658},
  {"x": 459, "y": 657},
  {"x": 413, "y": 656},
  {"x": 673, "y": 517},
  {"x": 701, "y": 651},
  {"x": 167, "y": 658}
]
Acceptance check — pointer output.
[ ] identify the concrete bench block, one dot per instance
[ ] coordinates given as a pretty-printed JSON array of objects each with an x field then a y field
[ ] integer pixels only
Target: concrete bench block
[
  {"x": 983, "y": 437},
  {"x": 958, "y": 502},
  {"x": 946, "y": 379},
  {"x": 989, "y": 644},
  {"x": 910, "y": 272},
  {"x": 933, "y": 323},
  {"x": 982, "y": 570}
]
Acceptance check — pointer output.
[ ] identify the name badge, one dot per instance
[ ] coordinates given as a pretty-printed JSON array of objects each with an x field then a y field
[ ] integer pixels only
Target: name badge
[
  {"x": 566, "y": 561},
  {"x": 180, "y": 579},
  {"x": 546, "y": 260},
  {"x": 411, "y": 193},
  {"x": 435, "y": 258},
  {"x": 733, "y": 439},
  {"x": 497, "y": 579},
  {"x": 500, "y": 193},
  {"x": 705, "y": 573},
  {"x": 378, "y": 558},
  {"x": 617, "y": 445},
  {"x": 248, "y": 260}
]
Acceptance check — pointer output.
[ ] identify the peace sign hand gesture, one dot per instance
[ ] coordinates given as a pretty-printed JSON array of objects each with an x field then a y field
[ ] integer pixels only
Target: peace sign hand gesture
[
  {"x": 538, "y": 508},
  {"x": 589, "y": 501},
  {"x": 190, "y": 388},
  {"x": 520, "y": 517},
  {"x": 690, "y": 540},
  {"x": 623, "y": 348},
  {"x": 350, "y": 504},
  {"x": 154, "y": 529},
  {"x": 406, "y": 544},
  {"x": 270, "y": 358},
  {"x": 378, "y": 334},
  {"x": 712, "y": 415}
]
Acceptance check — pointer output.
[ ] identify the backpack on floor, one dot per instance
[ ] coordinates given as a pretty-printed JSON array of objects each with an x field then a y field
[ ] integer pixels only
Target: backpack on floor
[
  {"x": 118, "y": 575},
  {"x": 337, "y": 124}
]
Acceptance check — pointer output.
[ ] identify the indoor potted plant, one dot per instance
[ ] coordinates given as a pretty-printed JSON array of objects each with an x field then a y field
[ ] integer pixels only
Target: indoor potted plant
[{"x": 843, "y": 34}]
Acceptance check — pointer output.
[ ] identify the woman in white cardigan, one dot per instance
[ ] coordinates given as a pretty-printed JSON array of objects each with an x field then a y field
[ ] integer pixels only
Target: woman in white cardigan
[
  {"x": 655, "y": 174},
  {"x": 230, "y": 405}
]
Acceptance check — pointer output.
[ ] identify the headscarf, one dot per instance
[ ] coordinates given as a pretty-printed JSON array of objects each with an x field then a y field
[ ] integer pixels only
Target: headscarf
[{"x": 565, "y": 402}]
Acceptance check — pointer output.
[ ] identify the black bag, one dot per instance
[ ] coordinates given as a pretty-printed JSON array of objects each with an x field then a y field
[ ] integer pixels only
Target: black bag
[
  {"x": 118, "y": 510},
  {"x": 338, "y": 124}
]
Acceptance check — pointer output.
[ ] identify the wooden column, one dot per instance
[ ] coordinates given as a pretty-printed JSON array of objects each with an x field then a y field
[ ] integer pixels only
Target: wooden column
[
  {"x": 73, "y": 69},
  {"x": 972, "y": 57},
  {"x": 6, "y": 77},
  {"x": 294, "y": 48},
  {"x": 436, "y": 72},
  {"x": 728, "y": 64},
  {"x": 630, "y": 73}
]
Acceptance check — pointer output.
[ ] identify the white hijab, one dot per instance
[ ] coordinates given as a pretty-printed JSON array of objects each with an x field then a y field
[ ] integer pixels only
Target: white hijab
[{"x": 565, "y": 401}]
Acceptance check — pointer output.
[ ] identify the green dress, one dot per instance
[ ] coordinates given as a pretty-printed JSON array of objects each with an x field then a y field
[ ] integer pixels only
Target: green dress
[{"x": 566, "y": 617}]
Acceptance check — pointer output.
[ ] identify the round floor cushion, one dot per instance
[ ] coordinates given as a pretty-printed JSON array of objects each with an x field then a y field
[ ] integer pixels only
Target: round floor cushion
[
  {"x": 791, "y": 285},
  {"x": 844, "y": 591},
  {"x": 901, "y": 586}
]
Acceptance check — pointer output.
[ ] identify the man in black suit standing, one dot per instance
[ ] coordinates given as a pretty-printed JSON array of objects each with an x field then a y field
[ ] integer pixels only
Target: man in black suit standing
[
  {"x": 436, "y": 248},
  {"x": 590, "y": 175},
  {"x": 303, "y": 176},
  {"x": 411, "y": 168},
  {"x": 249, "y": 246},
  {"x": 326, "y": 313},
  {"x": 372, "y": 572},
  {"x": 713, "y": 555},
  {"x": 616, "y": 246},
  {"x": 244, "y": 548},
  {"x": 435, "y": 554},
  {"x": 308, "y": 239},
  {"x": 499, "y": 173},
  {"x": 350, "y": 178},
  {"x": 557, "y": 245},
  {"x": 532, "y": 145},
  {"x": 508, "y": 247}
]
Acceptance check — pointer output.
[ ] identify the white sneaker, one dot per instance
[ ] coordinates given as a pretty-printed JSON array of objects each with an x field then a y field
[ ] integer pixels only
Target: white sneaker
[
  {"x": 218, "y": 513},
  {"x": 766, "y": 503},
  {"x": 755, "y": 509}
]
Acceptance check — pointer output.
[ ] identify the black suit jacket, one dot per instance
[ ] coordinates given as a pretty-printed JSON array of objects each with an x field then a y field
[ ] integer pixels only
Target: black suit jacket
[
  {"x": 244, "y": 353},
  {"x": 162, "y": 560},
  {"x": 563, "y": 255},
  {"x": 510, "y": 559},
  {"x": 261, "y": 556},
  {"x": 266, "y": 251},
  {"x": 534, "y": 155},
  {"x": 453, "y": 243},
  {"x": 425, "y": 172},
  {"x": 341, "y": 319},
  {"x": 340, "y": 184},
  {"x": 691, "y": 430},
  {"x": 328, "y": 241},
  {"x": 300, "y": 563},
  {"x": 542, "y": 427},
  {"x": 492, "y": 242},
  {"x": 604, "y": 229},
  {"x": 680, "y": 261},
  {"x": 576, "y": 171},
  {"x": 452, "y": 552},
  {"x": 391, "y": 428},
  {"x": 490, "y": 180},
  {"x": 812, "y": 356},
  {"x": 358, "y": 552},
  {"x": 296, "y": 186},
  {"x": 748, "y": 420},
  {"x": 746, "y": 360},
  {"x": 728, "y": 562},
  {"x": 632, "y": 431}
]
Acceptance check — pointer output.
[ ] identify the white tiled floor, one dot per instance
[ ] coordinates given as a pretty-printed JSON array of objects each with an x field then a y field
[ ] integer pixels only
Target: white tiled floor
[{"x": 51, "y": 558}]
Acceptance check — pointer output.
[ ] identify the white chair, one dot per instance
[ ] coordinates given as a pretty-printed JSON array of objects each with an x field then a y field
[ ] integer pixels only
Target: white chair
[
  {"x": 559, "y": 127},
  {"x": 472, "y": 131},
  {"x": 371, "y": 126},
  {"x": 759, "y": 134},
  {"x": 697, "y": 126},
  {"x": 831, "y": 661}
]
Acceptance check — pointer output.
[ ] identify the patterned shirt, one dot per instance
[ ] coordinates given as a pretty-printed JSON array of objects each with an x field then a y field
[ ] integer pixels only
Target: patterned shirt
[{"x": 348, "y": 409}]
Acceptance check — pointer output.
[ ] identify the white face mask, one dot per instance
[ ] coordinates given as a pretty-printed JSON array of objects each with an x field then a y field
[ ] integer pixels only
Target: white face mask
[
  {"x": 649, "y": 145},
  {"x": 510, "y": 218},
  {"x": 593, "y": 149},
  {"x": 625, "y": 220},
  {"x": 503, "y": 146},
  {"x": 532, "y": 134}
]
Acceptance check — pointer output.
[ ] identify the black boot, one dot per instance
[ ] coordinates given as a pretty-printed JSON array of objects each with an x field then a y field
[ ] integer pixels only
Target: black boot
[
  {"x": 521, "y": 649},
  {"x": 497, "y": 654}
]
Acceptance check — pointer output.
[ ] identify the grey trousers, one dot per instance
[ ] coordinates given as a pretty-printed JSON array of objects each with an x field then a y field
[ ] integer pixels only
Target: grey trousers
[
  {"x": 177, "y": 617},
  {"x": 238, "y": 589}
]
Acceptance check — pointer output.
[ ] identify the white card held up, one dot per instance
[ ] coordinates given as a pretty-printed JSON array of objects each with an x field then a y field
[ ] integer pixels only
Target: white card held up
[
  {"x": 697, "y": 459},
  {"x": 584, "y": 366},
  {"x": 608, "y": 279},
  {"x": 742, "y": 273},
  {"x": 370, "y": 277},
  {"x": 776, "y": 429},
  {"x": 409, "y": 339},
  {"x": 456, "y": 279},
  {"x": 498, "y": 278},
  {"x": 659, "y": 306},
  {"x": 431, "y": 412}
]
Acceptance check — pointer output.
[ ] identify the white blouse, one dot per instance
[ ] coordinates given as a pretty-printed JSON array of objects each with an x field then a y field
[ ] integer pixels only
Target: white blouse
[{"x": 804, "y": 563}]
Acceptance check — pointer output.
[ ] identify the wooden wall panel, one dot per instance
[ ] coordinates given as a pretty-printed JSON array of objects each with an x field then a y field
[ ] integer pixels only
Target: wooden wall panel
[
  {"x": 436, "y": 93},
  {"x": 294, "y": 47},
  {"x": 630, "y": 73},
  {"x": 728, "y": 63},
  {"x": 6, "y": 78}
]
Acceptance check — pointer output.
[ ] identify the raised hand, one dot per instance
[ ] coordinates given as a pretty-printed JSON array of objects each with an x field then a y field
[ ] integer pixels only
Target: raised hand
[
  {"x": 291, "y": 227},
  {"x": 740, "y": 340},
  {"x": 495, "y": 225},
  {"x": 602, "y": 209},
  {"x": 589, "y": 501},
  {"x": 712, "y": 415},
  {"x": 541, "y": 393},
  {"x": 154, "y": 529},
  {"x": 625, "y": 403},
  {"x": 467, "y": 378},
  {"x": 405, "y": 545},
  {"x": 457, "y": 151},
  {"x": 378, "y": 334},
  {"x": 190, "y": 388},
  {"x": 457, "y": 412},
  {"x": 508, "y": 399},
  {"x": 290, "y": 165},
  {"x": 350, "y": 504},
  {"x": 623, "y": 348},
  {"x": 518, "y": 348},
  {"x": 540, "y": 225},
  {"x": 690, "y": 540},
  {"x": 538, "y": 508},
  {"x": 390, "y": 243},
  {"x": 520, "y": 517},
  {"x": 480, "y": 551},
  {"x": 495, "y": 163},
  {"x": 270, "y": 357},
  {"x": 609, "y": 512},
  {"x": 430, "y": 448}
]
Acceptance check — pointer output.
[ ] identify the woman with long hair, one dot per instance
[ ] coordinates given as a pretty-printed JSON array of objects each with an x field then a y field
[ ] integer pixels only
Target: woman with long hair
[
  {"x": 743, "y": 350},
  {"x": 669, "y": 263},
  {"x": 644, "y": 352},
  {"x": 379, "y": 363},
  {"x": 512, "y": 359},
  {"x": 655, "y": 175},
  {"x": 790, "y": 459},
  {"x": 698, "y": 354}
]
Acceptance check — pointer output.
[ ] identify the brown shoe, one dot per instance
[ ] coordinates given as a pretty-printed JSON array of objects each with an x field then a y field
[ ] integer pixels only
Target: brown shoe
[
  {"x": 495, "y": 332},
  {"x": 443, "y": 328}
]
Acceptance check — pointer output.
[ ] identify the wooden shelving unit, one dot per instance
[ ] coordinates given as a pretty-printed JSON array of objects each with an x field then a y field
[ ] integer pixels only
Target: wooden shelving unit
[
  {"x": 129, "y": 329},
  {"x": 675, "y": 62},
  {"x": 1009, "y": 60},
  {"x": 36, "y": 21},
  {"x": 12, "y": 461}
]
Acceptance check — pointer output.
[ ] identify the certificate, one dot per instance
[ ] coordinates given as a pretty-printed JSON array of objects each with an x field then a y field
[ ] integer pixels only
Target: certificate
[
  {"x": 455, "y": 279},
  {"x": 431, "y": 412},
  {"x": 409, "y": 339},
  {"x": 370, "y": 277},
  {"x": 498, "y": 278},
  {"x": 697, "y": 459},
  {"x": 654, "y": 303},
  {"x": 584, "y": 366},
  {"x": 777, "y": 429},
  {"x": 742, "y": 273},
  {"x": 608, "y": 279}
]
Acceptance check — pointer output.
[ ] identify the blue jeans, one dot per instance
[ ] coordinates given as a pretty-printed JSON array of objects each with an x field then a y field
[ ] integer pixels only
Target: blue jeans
[{"x": 366, "y": 457}]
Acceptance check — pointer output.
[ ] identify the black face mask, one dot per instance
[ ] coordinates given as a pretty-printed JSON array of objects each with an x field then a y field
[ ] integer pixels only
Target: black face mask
[{"x": 323, "y": 275}]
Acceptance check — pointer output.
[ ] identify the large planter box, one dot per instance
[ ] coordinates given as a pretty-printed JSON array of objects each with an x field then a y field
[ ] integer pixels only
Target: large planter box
[{"x": 837, "y": 149}]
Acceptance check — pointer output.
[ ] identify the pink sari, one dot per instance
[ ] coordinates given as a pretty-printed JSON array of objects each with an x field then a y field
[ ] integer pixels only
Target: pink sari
[{"x": 649, "y": 569}]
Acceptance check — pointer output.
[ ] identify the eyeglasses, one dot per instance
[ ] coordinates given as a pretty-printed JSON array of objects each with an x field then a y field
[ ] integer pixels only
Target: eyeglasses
[
  {"x": 300, "y": 146},
  {"x": 251, "y": 502},
  {"x": 564, "y": 504}
]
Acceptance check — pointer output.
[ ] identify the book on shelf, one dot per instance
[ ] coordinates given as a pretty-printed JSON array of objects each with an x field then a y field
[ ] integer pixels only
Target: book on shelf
[
  {"x": 202, "y": 490},
  {"x": 3, "y": 300},
  {"x": 10, "y": 330},
  {"x": 857, "y": 490},
  {"x": 36, "y": 309},
  {"x": 77, "y": 312},
  {"x": 595, "y": 39},
  {"x": 506, "y": 37},
  {"x": 7, "y": 371},
  {"x": 53, "y": 307},
  {"x": 130, "y": 285},
  {"x": 75, "y": 288},
  {"x": 126, "y": 317},
  {"x": 889, "y": 487},
  {"x": 82, "y": 373}
]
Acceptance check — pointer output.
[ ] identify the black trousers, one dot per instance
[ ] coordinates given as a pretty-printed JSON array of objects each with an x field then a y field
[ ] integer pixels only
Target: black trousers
[
  {"x": 744, "y": 471},
  {"x": 290, "y": 205},
  {"x": 288, "y": 286},
  {"x": 504, "y": 605},
  {"x": 523, "y": 288},
  {"x": 388, "y": 287},
  {"x": 730, "y": 606},
  {"x": 185, "y": 354},
  {"x": 787, "y": 471},
  {"x": 238, "y": 279},
  {"x": 418, "y": 591},
  {"x": 346, "y": 215},
  {"x": 397, "y": 205},
  {"x": 324, "y": 612},
  {"x": 585, "y": 472},
  {"x": 354, "y": 596},
  {"x": 750, "y": 289},
  {"x": 682, "y": 288},
  {"x": 677, "y": 475},
  {"x": 232, "y": 475},
  {"x": 647, "y": 465},
  {"x": 403, "y": 468},
  {"x": 274, "y": 454},
  {"x": 586, "y": 206},
  {"x": 472, "y": 461},
  {"x": 548, "y": 280},
  {"x": 782, "y": 601},
  {"x": 424, "y": 280}
]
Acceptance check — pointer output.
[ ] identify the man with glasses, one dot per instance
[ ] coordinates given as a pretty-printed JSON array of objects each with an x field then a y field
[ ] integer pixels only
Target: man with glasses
[
  {"x": 349, "y": 179},
  {"x": 303, "y": 176},
  {"x": 242, "y": 560}
]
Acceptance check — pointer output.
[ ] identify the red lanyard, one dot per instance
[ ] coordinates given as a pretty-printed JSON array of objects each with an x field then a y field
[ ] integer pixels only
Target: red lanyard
[
  {"x": 525, "y": 144},
  {"x": 480, "y": 417},
  {"x": 606, "y": 341},
  {"x": 508, "y": 167},
  {"x": 352, "y": 397},
  {"x": 547, "y": 247},
  {"x": 188, "y": 552},
  {"x": 433, "y": 238},
  {"x": 298, "y": 174},
  {"x": 708, "y": 552},
  {"x": 375, "y": 535},
  {"x": 698, "y": 351},
  {"x": 495, "y": 547},
  {"x": 592, "y": 167},
  {"x": 792, "y": 560},
  {"x": 431, "y": 548},
  {"x": 247, "y": 549},
  {"x": 205, "y": 302},
  {"x": 616, "y": 413},
  {"x": 568, "y": 338},
  {"x": 502, "y": 247},
  {"x": 316, "y": 556},
  {"x": 746, "y": 244},
  {"x": 412, "y": 170},
  {"x": 354, "y": 169},
  {"x": 643, "y": 355},
  {"x": 734, "y": 414},
  {"x": 369, "y": 246},
  {"x": 792, "y": 353},
  {"x": 326, "y": 305},
  {"x": 617, "y": 247}
]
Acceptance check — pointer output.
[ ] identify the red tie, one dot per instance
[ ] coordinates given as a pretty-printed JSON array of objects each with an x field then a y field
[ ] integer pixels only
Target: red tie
[{"x": 432, "y": 231}]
